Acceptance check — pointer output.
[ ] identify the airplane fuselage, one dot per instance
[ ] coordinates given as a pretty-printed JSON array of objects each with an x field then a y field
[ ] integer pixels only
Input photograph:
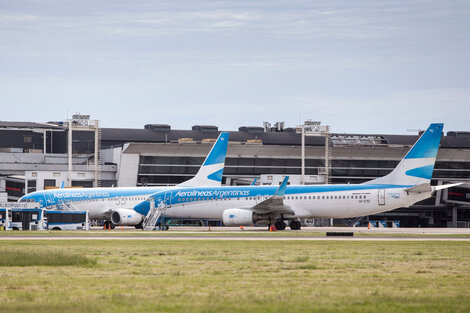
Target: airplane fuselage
[
  {"x": 99, "y": 202},
  {"x": 317, "y": 201}
]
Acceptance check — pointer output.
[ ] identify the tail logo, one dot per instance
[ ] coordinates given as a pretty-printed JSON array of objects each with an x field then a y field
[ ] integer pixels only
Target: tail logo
[{"x": 421, "y": 172}]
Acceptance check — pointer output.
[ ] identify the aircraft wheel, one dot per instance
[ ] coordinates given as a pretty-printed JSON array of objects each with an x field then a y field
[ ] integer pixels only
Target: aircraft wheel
[
  {"x": 295, "y": 225},
  {"x": 112, "y": 226},
  {"x": 165, "y": 227},
  {"x": 280, "y": 225}
]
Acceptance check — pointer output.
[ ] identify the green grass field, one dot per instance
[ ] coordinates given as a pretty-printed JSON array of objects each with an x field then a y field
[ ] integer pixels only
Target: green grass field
[
  {"x": 203, "y": 232},
  {"x": 234, "y": 276}
]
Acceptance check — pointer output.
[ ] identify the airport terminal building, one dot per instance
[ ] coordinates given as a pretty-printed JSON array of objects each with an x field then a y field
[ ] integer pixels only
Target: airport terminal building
[{"x": 34, "y": 156}]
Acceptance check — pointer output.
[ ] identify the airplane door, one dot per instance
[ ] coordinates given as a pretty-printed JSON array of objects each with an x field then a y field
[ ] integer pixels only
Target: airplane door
[
  {"x": 26, "y": 220},
  {"x": 381, "y": 196},
  {"x": 120, "y": 200},
  {"x": 48, "y": 203},
  {"x": 42, "y": 201},
  {"x": 168, "y": 198}
]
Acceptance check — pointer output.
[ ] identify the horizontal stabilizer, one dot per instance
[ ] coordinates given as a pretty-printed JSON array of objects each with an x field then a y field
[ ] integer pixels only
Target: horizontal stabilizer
[
  {"x": 446, "y": 186},
  {"x": 426, "y": 187}
]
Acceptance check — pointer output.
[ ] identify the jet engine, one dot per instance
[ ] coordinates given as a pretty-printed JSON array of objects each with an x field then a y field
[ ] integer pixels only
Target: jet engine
[
  {"x": 126, "y": 217},
  {"x": 239, "y": 217}
]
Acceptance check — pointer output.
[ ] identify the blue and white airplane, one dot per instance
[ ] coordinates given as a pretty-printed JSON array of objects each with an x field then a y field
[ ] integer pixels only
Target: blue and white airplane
[
  {"x": 115, "y": 205},
  {"x": 407, "y": 184}
]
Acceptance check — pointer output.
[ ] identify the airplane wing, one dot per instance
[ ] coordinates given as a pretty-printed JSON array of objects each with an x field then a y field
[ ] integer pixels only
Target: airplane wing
[{"x": 274, "y": 204}]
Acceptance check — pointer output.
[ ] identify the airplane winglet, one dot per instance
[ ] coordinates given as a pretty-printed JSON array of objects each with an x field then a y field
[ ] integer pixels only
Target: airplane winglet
[
  {"x": 62, "y": 185},
  {"x": 282, "y": 188},
  {"x": 276, "y": 201},
  {"x": 254, "y": 181}
]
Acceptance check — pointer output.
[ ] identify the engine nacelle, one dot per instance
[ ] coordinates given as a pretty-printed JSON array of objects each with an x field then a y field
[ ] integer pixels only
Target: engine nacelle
[
  {"x": 238, "y": 217},
  {"x": 126, "y": 217}
]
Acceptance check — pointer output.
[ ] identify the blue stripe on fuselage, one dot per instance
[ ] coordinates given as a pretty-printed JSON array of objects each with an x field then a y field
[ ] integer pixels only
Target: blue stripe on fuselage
[
  {"x": 57, "y": 196},
  {"x": 180, "y": 195}
]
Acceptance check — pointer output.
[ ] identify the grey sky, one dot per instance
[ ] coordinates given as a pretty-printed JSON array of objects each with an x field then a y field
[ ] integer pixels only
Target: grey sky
[{"x": 360, "y": 66}]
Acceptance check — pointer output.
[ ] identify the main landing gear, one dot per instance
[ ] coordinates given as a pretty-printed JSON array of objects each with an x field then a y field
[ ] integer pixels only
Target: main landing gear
[
  {"x": 294, "y": 225},
  {"x": 109, "y": 225},
  {"x": 281, "y": 225}
]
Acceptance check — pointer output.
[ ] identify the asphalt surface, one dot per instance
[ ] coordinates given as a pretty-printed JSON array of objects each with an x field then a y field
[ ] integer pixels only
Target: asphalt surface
[{"x": 251, "y": 233}]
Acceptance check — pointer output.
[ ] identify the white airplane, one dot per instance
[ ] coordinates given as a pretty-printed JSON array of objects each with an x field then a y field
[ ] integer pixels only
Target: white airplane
[
  {"x": 115, "y": 205},
  {"x": 407, "y": 184}
]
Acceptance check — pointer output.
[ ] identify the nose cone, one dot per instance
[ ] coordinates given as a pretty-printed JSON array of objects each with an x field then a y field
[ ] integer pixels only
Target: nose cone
[{"x": 142, "y": 208}]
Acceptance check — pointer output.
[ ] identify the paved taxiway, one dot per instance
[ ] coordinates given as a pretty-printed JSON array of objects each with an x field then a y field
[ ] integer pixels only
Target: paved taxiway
[{"x": 253, "y": 233}]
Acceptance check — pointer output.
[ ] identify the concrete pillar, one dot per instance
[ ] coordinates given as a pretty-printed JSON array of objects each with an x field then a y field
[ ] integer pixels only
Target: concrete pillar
[
  {"x": 454, "y": 216},
  {"x": 438, "y": 193},
  {"x": 302, "y": 166},
  {"x": 70, "y": 151}
]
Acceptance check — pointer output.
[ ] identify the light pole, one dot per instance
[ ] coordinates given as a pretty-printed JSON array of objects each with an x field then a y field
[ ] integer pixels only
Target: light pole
[{"x": 314, "y": 128}]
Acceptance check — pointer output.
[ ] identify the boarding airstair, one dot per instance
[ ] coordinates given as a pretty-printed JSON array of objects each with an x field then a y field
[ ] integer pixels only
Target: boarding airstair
[
  {"x": 65, "y": 207},
  {"x": 153, "y": 215}
]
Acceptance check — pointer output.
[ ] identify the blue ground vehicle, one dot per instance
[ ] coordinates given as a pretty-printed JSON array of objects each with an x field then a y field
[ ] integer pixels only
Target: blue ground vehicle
[
  {"x": 27, "y": 219},
  {"x": 3, "y": 218}
]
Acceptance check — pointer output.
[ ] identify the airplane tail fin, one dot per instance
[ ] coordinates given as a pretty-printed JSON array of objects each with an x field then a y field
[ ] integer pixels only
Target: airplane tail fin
[
  {"x": 210, "y": 173},
  {"x": 418, "y": 164}
]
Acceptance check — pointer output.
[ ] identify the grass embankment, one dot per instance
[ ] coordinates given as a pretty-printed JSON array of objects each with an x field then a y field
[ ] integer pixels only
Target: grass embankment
[
  {"x": 240, "y": 276},
  {"x": 15, "y": 257}
]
